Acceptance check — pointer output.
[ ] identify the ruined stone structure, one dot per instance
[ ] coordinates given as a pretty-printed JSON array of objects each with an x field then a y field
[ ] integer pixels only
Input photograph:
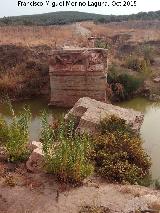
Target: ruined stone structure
[{"x": 77, "y": 73}]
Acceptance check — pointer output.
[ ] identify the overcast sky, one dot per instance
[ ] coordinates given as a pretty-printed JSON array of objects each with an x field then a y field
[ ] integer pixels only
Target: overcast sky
[{"x": 10, "y": 8}]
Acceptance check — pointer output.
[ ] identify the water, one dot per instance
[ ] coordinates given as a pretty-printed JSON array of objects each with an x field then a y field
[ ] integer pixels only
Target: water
[
  {"x": 36, "y": 106},
  {"x": 150, "y": 130}
]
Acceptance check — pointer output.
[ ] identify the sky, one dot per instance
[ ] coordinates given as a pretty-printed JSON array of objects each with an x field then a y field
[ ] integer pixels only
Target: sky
[{"x": 11, "y": 8}]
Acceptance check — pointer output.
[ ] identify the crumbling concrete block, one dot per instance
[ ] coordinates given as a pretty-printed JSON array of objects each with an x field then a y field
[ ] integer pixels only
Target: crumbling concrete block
[
  {"x": 77, "y": 73},
  {"x": 89, "y": 112}
]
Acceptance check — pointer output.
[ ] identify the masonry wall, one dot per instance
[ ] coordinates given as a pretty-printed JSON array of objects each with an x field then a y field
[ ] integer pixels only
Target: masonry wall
[{"x": 77, "y": 73}]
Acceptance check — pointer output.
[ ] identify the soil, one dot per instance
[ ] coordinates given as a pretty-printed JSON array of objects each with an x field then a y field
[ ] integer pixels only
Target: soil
[
  {"x": 24, "y": 71},
  {"x": 24, "y": 192}
]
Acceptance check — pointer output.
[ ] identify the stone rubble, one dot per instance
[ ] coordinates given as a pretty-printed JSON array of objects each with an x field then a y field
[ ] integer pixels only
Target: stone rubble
[
  {"x": 90, "y": 112},
  {"x": 36, "y": 159}
]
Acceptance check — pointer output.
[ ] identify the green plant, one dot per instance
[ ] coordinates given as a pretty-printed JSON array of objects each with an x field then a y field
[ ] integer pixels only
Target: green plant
[
  {"x": 101, "y": 44},
  {"x": 118, "y": 153},
  {"x": 3, "y": 131},
  {"x": 133, "y": 63},
  {"x": 157, "y": 184},
  {"x": 141, "y": 65},
  {"x": 145, "y": 69},
  {"x": 148, "y": 52},
  {"x": 15, "y": 134},
  {"x": 66, "y": 152},
  {"x": 123, "y": 85},
  {"x": 112, "y": 124}
]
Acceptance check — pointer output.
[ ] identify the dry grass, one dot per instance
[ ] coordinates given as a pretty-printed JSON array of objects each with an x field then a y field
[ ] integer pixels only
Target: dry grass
[
  {"x": 39, "y": 35},
  {"x": 139, "y": 31},
  {"x": 66, "y": 35}
]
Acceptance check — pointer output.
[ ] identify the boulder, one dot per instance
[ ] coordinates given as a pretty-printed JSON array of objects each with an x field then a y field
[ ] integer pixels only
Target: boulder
[
  {"x": 34, "y": 145},
  {"x": 154, "y": 97},
  {"x": 36, "y": 160},
  {"x": 156, "y": 80},
  {"x": 89, "y": 112}
]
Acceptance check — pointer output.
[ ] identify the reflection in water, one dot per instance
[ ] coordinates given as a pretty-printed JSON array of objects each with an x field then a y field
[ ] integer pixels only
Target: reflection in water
[
  {"x": 36, "y": 106},
  {"x": 150, "y": 130}
]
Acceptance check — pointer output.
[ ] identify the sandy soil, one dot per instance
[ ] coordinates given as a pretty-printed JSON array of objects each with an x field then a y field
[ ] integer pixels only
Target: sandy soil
[{"x": 23, "y": 192}]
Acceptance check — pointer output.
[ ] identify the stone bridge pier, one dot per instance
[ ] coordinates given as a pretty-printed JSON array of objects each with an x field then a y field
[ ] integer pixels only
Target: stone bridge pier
[{"x": 77, "y": 73}]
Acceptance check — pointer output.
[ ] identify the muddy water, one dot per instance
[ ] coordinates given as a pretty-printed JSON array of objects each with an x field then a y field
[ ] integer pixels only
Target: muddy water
[
  {"x": 150, "y": 130},
  {"x": 36, "y": 107}
]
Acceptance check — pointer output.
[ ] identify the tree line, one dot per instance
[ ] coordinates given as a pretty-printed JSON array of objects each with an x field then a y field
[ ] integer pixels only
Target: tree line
[{"x": 68, "y": 17}]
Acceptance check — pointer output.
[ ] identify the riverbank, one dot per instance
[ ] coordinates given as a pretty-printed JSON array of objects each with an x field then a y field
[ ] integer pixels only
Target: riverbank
[{"x": 26, "y": 192}]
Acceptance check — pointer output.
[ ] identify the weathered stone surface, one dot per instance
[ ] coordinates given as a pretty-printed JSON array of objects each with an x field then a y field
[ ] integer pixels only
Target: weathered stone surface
[
  {"x": 35, "y": 145},
  {"x": 154, "y": 97},
  {"x": 157, "y": 80},
  {"x": 36, "y": 160},
  {"x": 77, "y": 73},
  {"x": 90, "y": 112}
]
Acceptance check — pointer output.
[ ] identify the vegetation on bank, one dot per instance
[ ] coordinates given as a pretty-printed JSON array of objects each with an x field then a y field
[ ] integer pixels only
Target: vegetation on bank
[
  {"x": 118, "y": 153},
  {"x": 14, "y": 135},
  {"x": 127, "y": 78},
  {"x": 66, "y": 152},
  {"x": 67, "y": 17},
  {"x": 115, "y": 153},
  {"x": 122, "y": 85}
]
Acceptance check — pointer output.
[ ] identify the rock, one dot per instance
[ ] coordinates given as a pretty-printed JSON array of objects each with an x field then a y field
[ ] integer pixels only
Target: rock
[
  {"x": 156, "y": 80},
  {"x": 3, "y": 154},
  {"x": 154, "y": 97},
  {"x": 89, "y": 112},
  {"x": 34, "y": 145},
  {"x": 36, "y": 160},
  {"x": 144, "y": 203}
]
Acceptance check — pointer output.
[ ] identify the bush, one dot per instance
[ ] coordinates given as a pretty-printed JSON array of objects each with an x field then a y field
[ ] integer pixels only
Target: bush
[
  {"x": 101, "y": 44},
  {"x": 15, "y": 135},
  {"x": 66, "y": 153},
  {"x": 140, "y": 65},
  {"x": 133, "y": 63},
  {"x": 157, "y": 184},
  {"x": 3, "y": 131},
  {"x": 118, "y": 153},
  {"x": 148, "y": 52},
  {"x": 123, "y": 85}
]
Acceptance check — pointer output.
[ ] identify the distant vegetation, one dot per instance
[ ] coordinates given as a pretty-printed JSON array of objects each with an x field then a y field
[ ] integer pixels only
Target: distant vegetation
[{"x": 61, "y": 18}]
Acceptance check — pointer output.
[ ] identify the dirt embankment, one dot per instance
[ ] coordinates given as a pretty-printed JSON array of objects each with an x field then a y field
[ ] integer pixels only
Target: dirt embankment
[
  {"x": 24, "y": 192},
  {"x": 24, "y": 71}
]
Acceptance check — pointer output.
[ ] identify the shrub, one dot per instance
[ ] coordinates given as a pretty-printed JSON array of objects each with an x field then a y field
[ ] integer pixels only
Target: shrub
[
  {"x": 123, "y": 85},
  {"x": 66, "y": 153},
  {"x": 140, "y": 65},
  {"x": 133, "y": 63},
  {"x": 145, "y": 69},
  {"x": 101, "y": 44},
  {"x": 15, "y": 135},
  {"x": 157, "y": 184},
  {"x": 118, "y": 153},
  {"x": 130, "y": 84},
  {"x": 148, "y": 52},
  {"x": 3, "y": 131}
]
